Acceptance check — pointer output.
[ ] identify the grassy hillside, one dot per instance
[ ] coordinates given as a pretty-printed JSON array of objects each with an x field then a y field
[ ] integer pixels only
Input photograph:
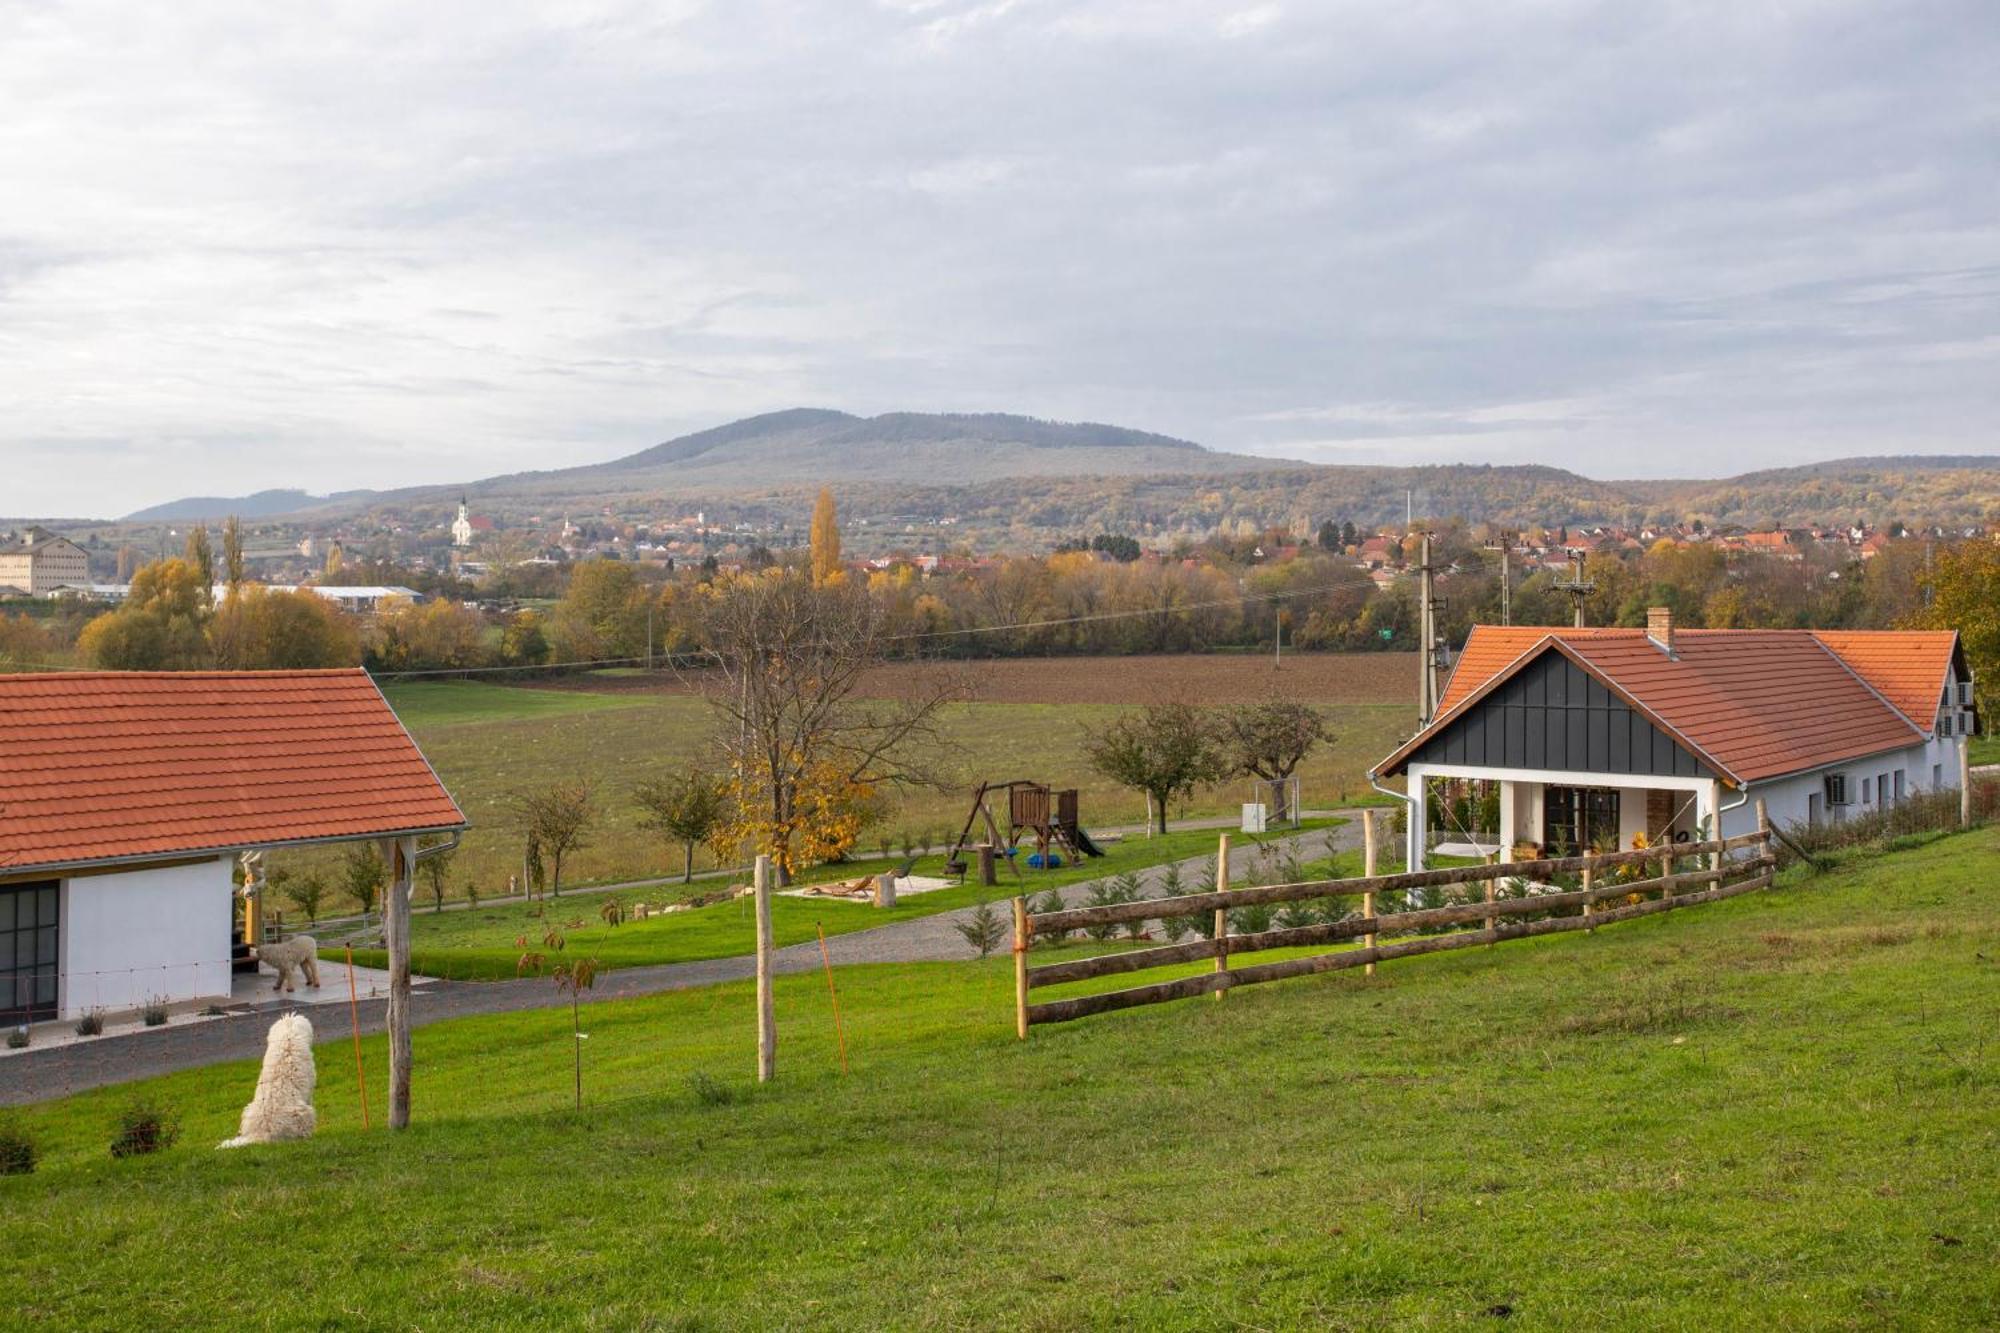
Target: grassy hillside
[{"x": 1777, "y": 1111}]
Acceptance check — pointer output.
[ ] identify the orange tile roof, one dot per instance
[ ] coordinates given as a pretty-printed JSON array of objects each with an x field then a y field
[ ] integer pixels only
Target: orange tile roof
[
  {"x": 1753, "y": 703},
  {"x": 1909, "y": 667},
  {"x": 106, "y": 765}
]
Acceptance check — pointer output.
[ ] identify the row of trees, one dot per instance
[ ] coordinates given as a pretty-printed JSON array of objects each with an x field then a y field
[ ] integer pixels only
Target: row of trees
[{"x": 1168, "y": 749}]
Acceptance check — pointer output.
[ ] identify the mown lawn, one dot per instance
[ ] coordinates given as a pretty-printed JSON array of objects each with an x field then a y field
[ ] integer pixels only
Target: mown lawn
[
  {"x": 482, "y": 942},
  {"x": 488, "y": 741},
  {"x": 1782, "y": 1111},
  {"x": 1986, "y": 749}
]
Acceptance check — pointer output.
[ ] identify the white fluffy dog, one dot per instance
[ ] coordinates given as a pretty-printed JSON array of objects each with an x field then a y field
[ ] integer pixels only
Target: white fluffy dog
[
  {"x": 282, "y": 1107},
  {"x": 301, "y": 952}
]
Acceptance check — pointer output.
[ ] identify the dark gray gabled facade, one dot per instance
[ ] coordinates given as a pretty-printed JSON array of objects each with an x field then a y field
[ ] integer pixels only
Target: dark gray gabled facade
[{"x": 1553, "y": 715}]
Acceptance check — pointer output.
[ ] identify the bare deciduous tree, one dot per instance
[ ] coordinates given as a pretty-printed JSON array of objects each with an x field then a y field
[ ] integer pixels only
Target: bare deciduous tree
[
  {"x": 803, "y": 744},
  {"x": 1269, "y": 740},
  {"x": 557, "y": 819},
  {"x": 688, "y": 809},
  {"x": 1164, "y": 750}
]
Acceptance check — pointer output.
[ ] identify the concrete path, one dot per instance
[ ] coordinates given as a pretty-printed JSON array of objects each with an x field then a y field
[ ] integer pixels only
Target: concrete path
[{"x": 44, "y": 1073}]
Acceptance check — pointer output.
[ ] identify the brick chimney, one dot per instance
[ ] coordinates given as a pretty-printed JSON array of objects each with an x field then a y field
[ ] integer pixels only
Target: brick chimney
[{"x": 1660, "y": 627}]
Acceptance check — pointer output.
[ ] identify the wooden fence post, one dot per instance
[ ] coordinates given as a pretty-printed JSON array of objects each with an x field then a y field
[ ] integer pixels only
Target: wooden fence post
[
  {"x": 767, "y": 1014},
  {"x": 1667, "y": 884},
  {"x": 1965, "y": 784},
  {"x": 1222, "y": 913},
  {"x": 1588, "y": 877},
  {"x": 1021, "y": 968},
  {"x": 1368, "y": 857},
  {"x": 1763, "y": 828},
  {"x": 1492, "y": 895},
  {"x": 399, "y": 852}
]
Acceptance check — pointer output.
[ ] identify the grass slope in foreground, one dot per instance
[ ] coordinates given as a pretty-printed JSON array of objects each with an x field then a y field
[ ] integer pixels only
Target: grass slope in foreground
[
  {"x": 1778, "y": 1111},
  {"x": 479, "y": 943}
]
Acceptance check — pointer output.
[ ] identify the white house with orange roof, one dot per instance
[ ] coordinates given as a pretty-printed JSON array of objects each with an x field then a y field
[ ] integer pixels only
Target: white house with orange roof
[
  {"x": 1606, "y": 736},
  {"x": 126, "y": 797}
]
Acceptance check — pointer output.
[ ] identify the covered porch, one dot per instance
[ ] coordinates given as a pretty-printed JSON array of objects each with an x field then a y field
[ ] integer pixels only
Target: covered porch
[{"x": 1522, "y": 815}]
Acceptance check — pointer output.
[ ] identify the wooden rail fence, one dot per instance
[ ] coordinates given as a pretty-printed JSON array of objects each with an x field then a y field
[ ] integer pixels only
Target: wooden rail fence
[{"x": 1720, "y": 871}]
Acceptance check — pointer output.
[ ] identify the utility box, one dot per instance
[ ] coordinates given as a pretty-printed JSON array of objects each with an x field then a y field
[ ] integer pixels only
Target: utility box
[{"x": 1255, "y": 816}]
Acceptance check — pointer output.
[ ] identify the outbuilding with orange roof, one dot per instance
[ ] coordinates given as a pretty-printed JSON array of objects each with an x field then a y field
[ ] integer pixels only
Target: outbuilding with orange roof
[{"x": 126, "y": 798}]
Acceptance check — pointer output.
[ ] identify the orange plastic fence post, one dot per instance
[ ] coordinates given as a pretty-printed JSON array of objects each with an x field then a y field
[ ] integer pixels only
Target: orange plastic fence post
[
  {"x": 833, "y": 994},
  {"x": 354, "y": 1021}
]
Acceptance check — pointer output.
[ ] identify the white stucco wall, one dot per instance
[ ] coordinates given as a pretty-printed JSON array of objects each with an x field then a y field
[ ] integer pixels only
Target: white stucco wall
[
  {"x": 139, "y": 933},
  {"x": 1787, "y": 797}
]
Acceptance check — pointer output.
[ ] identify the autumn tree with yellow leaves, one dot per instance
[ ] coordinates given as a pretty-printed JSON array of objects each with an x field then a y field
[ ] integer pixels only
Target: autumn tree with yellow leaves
[{"x": 825, "y": 540}]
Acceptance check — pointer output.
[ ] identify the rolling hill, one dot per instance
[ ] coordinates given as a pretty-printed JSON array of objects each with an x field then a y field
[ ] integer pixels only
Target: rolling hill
[{"x": 1018, "y": 478}]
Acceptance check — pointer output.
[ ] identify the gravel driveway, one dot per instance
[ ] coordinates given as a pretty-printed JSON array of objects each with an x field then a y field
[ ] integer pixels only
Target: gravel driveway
[{"x": 39, "y": 1075}]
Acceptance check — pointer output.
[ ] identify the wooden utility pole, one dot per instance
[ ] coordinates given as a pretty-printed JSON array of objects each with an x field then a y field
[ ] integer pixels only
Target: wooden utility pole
[
  {"x": 767, "y": 1015},
  {"x": 1427, "y": 637},
  {"x": 398, "y": 854}
]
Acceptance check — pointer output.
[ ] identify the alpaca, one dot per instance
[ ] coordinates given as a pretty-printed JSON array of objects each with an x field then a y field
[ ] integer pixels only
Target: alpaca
[
  {"x": 301, "y": 952},
  {"x": 282, "y": 1107}
]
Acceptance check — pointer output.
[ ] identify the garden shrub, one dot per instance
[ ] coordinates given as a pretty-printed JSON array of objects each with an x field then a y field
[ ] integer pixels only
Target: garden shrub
[
  {"x": 709, "y": 1090},
  {"x": 18, "y": 1150},
  {"x": 144, "y": 1126}
]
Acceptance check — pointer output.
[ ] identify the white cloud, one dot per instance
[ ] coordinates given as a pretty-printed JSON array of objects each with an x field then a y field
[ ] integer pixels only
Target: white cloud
[{"x": 243, "y": 247}]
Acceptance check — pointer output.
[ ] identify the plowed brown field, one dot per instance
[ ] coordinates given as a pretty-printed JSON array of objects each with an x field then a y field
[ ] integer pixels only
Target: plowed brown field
[{"x": 1328, "y": 678}]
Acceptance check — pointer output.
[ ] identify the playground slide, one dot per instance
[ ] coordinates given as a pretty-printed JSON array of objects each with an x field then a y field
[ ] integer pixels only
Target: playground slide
[{"x": 1082, "y": 841}]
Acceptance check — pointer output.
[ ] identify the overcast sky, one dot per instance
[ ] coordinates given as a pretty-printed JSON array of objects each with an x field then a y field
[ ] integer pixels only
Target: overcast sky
[{"x": 242, "y": 247}]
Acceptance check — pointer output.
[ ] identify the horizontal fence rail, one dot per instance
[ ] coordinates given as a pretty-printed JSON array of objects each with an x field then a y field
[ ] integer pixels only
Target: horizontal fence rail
[{"x": 1716, "y": 875}]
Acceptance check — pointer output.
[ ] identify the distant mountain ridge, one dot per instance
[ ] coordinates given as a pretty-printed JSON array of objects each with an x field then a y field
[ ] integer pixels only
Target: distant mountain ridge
[
  {"x": 997, "y": 470},
  {"x": 263, "y": 504}
]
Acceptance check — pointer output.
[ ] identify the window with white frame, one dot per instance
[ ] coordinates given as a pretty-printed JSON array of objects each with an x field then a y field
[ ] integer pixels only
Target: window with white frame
[{"x": 1836, "y": 789}]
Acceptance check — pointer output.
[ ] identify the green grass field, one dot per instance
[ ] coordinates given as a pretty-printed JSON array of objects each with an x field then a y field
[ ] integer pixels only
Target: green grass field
[
  {"x": 1774, "y": 1112},
  {"x": 1986, "y": 749},
  {"x": 480, "y": 943},
  {"x": 487, "y": 741}
]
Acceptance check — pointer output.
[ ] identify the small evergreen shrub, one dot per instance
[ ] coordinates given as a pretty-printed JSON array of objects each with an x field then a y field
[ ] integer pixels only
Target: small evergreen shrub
[
  {"x": 1052, "y": 901},
  {"x": 17, "y": 1039},
  {"x": 983, "y": 931}
]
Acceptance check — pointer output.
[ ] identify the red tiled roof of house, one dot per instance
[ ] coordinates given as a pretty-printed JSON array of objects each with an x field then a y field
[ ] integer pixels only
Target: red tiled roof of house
[
  {"x": 1752, "y": 703},
  {"x": 108, "y": 766},
  {"x": 1909, "y": 667}
]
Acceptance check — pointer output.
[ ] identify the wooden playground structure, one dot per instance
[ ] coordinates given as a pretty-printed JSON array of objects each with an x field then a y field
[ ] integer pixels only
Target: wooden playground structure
[{"x": 1034, "y": 811}]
